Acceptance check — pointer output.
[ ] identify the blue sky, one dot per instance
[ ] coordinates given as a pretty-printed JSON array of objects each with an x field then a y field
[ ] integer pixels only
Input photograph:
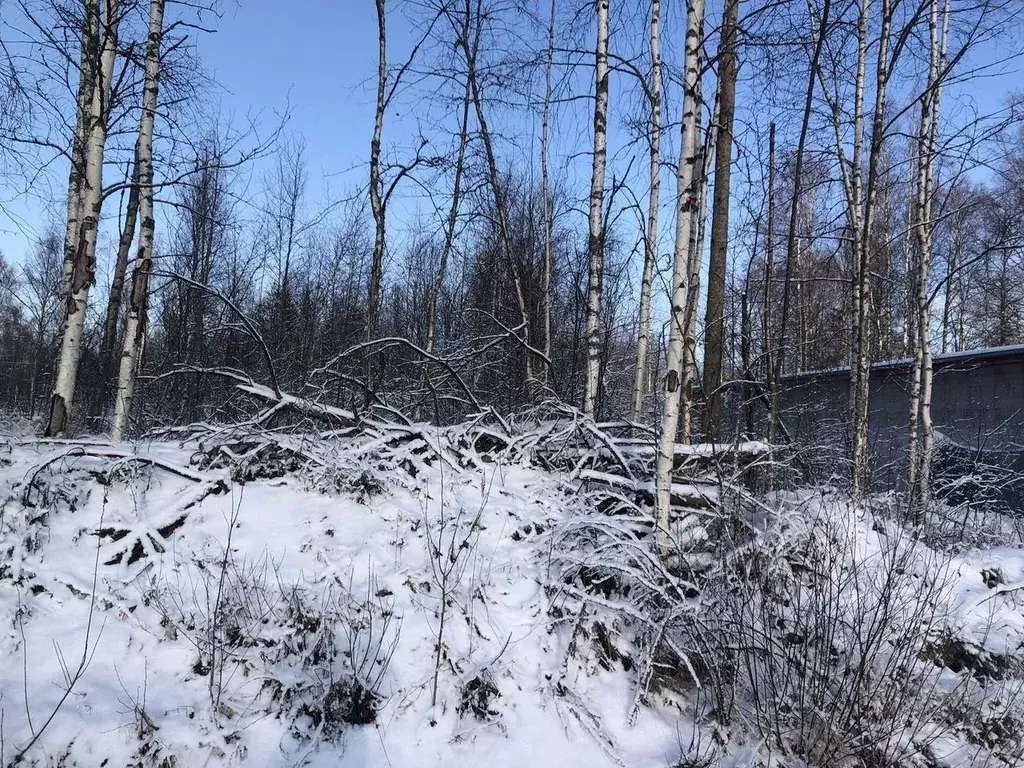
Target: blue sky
[
  {"x": 319, "y": 56},
  {"x": 316, "y": 58}
]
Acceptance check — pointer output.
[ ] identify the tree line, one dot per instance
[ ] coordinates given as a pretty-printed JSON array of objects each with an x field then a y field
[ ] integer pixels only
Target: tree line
[{"x": 623, "y": 206}]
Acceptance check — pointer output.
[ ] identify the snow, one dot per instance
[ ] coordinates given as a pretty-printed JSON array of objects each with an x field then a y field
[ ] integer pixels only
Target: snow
[
  {"x": 292, "y": 534},
  {"x": 116, "y": 554}
]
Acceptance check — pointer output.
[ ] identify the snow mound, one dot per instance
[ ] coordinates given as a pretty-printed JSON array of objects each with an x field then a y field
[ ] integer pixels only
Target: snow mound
[
  {"x": 416, "y": 597},
  {"x": 228, "y": 616}
]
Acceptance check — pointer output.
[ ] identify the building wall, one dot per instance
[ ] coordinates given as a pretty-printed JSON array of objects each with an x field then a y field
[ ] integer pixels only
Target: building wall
[{"x": 977, "y": 408}]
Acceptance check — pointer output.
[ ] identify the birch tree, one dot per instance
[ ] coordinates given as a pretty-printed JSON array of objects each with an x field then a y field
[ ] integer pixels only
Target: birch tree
[
  {"x": 769, "y": 274},
  {"x": 124, "y": 245},
  {"x": 98, "y": 34},
  {"x": 861, "y": 368},
  {"x": 686, "y": 207},
  {"x": 923, "y": 227},
  {"x": 694, "y": 263},
  {"x": 595, "y": 236},
  {"x": 861, "y": 197},
  {"x": 376, "y": 184},
  {"x": 87, "y": 74},
  {"x": 135, "y": 323},
  {"x": 640, "y": 382}
]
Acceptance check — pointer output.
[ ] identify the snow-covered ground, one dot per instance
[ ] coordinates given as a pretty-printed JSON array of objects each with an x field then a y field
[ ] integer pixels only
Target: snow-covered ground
[{"x": 171, "y": 604}]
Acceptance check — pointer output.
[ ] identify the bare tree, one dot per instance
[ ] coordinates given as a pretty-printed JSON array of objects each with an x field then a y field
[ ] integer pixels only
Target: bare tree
[
  {"x": 545, "y": 182},
  {"x": 470, "y": 48},
  {"x": 41, "y": 277},
  {"x": 135, "y": 323},
  {"x": 124, "y": 245},
  {"x": 686, "y": 207},
  {"x": 102, "y": 37},
  {"x": 694, "y": 262},
  {"x": 595, "y": 236},
  {"x": 714, "y": 319},
  {"x": 921, "y": 379},
  {"x": 377, "y": 205},
  {"x": 453, "y": 211},
  {"x": 769, "y": 274},
  {"x": 822, "y": 22},
  {"x": 640, "y": 383}
]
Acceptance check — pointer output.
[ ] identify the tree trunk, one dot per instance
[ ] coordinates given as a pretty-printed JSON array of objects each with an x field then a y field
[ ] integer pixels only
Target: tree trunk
[
  {"x": 376, "y": 190},
  {"x": 595, "y": 237},
  {"x": 124, "y": 246},
  {"x": 641, "y": 383},
  {"x": 695, "y": 259},
  {"x": 453, "y": 211},
  {"x": 921, "y": 390},
  {"x": 861, "y": 370},
  {"x": 686, "y": 206},
  {"x": 494, "y": 178},
  {"x": 83, "y": 272},
  {"x": 714, "y": 318},
  {"x": 135, "y": 323},
  {"x": 769, "y": 275},
  {"x": 87, "y": 75},
  {"x": 545, "y": 182}
]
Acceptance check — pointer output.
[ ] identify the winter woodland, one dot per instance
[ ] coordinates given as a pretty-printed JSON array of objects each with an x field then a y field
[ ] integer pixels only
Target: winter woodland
[{"x": 482, "y": 448}]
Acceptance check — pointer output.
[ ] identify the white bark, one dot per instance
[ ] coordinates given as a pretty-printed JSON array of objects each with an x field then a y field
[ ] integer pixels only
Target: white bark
[
  {"x": 695, "y": 260},
  {"x": 76, "y": 176},
  {"x": 921, "y": 388},
  {"x": 376, "y": 185},
  {"x": 860, "y": 210},
  {"x": 686, "y": 206},
  {"x": 769, "y": 275},
  {"x": 863, "y": 295},
  {"x": 84, "y": 262},
  {"x": 640, "y": 382},
  {"x": 135, "y": 323},
  {"x": 855, "y": 195},
  {"x": 595, "y": 239}
]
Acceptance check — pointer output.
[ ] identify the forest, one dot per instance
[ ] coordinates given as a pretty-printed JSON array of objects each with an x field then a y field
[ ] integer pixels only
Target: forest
[{"x": 383, "y": 464}]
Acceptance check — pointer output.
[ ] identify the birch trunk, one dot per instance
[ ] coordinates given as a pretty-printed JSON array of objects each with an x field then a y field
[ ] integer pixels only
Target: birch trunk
[
  {"x": 376, "y": 189},
  {"x": 640, "y": 383},
  {"x": 921, "y": 391},
  {"x": 595, "y": 237},
  {"x": 695, "y": 259},
  {"x": 862, "y": 294},
  {"x": 83, "y": 271},
  {"x": 714, "y": 319},
  {"x": 124, "y": 246},
  {"x": 686, "y": 205},
  {"x": 858, "y": 406},
  {"x": 769, "y": 274},
  {"x": 87, "y": 73},
  {"x": 545, "y": 181},
  {"x": 135, "y": 323}
]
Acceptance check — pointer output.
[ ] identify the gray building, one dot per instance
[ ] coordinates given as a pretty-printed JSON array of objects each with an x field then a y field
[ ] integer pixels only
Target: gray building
[{"x": 977, "y": 409}]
